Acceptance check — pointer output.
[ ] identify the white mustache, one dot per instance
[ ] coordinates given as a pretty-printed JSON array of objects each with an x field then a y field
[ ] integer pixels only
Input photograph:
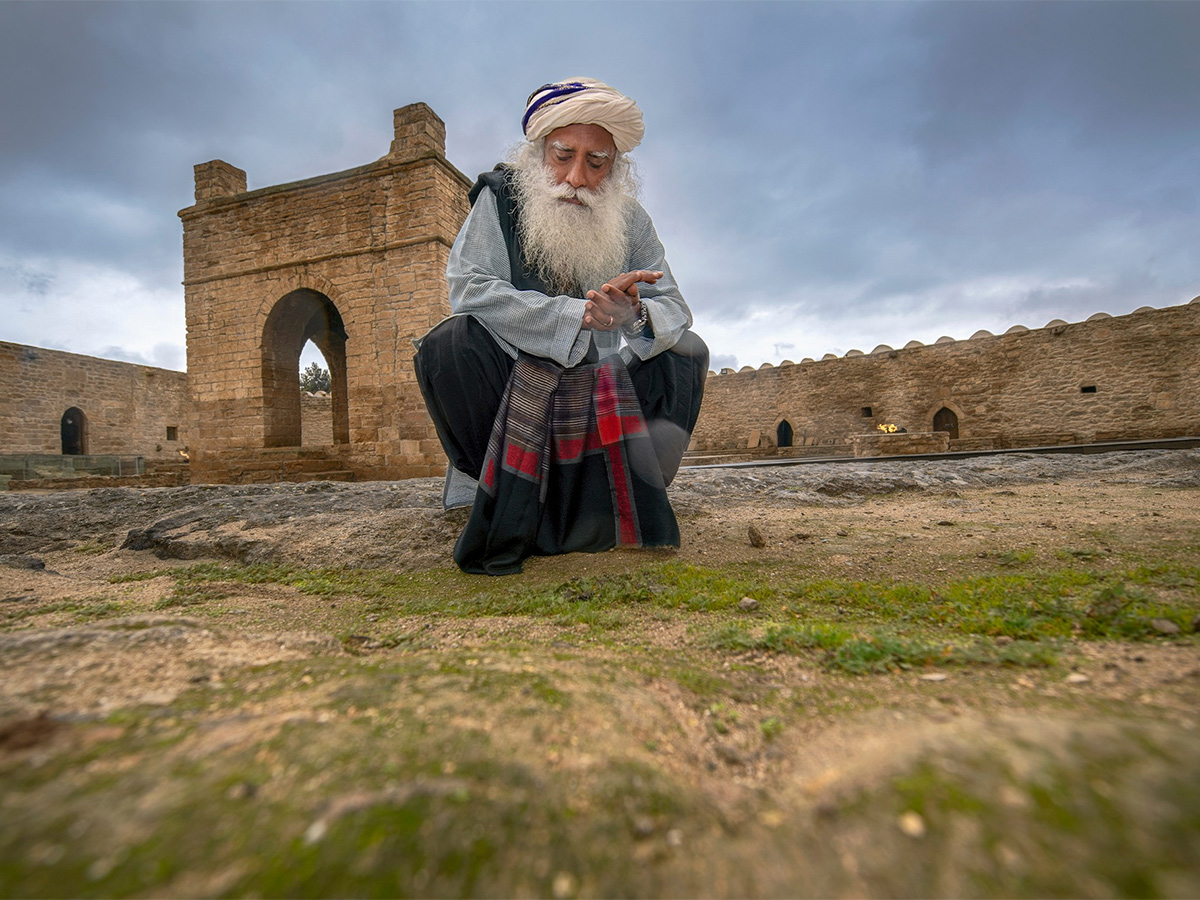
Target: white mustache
[{"x": 566, "y": 192}]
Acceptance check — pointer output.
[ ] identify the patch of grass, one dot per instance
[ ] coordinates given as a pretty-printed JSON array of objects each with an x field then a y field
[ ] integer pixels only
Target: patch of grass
[
  {"x": 859, "y": 653},
  {"x": 85, "y": 609},
  {"x": 134, "y": 576},
  {"x": 1031, "y": 606},
  {"x": 700, "y": 681},
  {"x": 771, "y": 727},
  {"x": 1012, "y": 558},
  {"x": 901, "y": 617},
  {"x": 588, "y": 600},
  {"x": 92, "y": 548},
  {"x": 192, "y": 594}
]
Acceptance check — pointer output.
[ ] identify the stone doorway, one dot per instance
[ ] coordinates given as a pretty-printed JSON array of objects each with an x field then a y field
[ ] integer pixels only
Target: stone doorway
[
  {"x": 783, "y": 434},
  {"x": 73, "y": 431},
  {"x": 299, "y": 317},
  {"x": 946, "y": 420}
]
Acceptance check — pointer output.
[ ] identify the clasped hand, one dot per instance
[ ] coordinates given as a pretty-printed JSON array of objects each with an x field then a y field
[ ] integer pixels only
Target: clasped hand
[{"x": 615, "y": 305}]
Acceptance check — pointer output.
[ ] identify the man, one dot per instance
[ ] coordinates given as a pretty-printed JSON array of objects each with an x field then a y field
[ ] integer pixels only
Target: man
[{"x": 566, "y": 382}]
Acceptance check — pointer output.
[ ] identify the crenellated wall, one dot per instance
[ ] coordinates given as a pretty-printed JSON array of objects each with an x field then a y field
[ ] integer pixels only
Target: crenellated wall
[{"x": 1129, "y": 377}]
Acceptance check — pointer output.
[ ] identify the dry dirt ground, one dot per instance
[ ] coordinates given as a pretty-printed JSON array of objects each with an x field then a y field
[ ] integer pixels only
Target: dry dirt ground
[{"x": 288, "y": 690}]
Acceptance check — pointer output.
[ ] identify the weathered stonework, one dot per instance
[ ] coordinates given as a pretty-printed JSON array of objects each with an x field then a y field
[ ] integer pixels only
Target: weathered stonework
[
  {"x": 354, "y": 261},
  {"x": 1132, "y": 377},
  {"x": 906, "y": 444},
  {"x": 123, "y": 409},
  {"x": 316, "y": 420}
]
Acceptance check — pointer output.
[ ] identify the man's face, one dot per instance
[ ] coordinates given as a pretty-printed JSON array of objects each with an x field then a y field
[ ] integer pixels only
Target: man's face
[{"x": 580, "y": 156}]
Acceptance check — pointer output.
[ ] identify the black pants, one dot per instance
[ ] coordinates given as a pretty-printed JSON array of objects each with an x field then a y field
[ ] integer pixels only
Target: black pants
[{"x": 462, "y": 372}]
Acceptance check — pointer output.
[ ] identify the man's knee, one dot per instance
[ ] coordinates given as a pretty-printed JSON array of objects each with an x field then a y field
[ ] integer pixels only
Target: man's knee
[
  {"x": 448, "y": 336},
  {"x": 692, "y": 347},
  {"x": 460, "y": 347}
]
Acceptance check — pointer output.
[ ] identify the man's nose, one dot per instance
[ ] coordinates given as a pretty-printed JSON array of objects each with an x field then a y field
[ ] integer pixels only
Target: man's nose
[{"x": 577, "y": 173}]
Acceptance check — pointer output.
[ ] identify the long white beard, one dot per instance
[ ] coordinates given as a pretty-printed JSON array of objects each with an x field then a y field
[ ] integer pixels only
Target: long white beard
[{"x": 570, "y": 246}]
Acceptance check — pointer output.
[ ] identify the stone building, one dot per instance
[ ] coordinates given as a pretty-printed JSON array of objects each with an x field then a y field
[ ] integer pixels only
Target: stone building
[
  {"x": 1132, "y": 377},
  {"x": 52, "y": 403},
  {"x": 355, "y": 262}
]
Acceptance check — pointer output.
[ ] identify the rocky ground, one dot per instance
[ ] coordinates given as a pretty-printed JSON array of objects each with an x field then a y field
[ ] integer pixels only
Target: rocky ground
[{"x": 960, "y": 677}]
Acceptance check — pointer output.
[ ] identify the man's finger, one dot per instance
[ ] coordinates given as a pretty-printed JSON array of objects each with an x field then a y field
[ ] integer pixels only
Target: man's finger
[{"x": 626, "y": 280}]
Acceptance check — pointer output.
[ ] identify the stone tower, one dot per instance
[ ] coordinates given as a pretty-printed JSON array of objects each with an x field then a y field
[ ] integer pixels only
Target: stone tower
[{"x": 355, "y": 262}]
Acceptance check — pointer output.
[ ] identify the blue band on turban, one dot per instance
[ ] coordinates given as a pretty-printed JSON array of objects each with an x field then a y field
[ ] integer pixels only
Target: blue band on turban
[{"x": 556, "y": 91}]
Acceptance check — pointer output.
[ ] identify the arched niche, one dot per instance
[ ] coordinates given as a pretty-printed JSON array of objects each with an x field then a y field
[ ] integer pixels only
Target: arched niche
[
  {"x": 784, "y": 435},
  {"x": 73, "y": 429},
  {"x": 298, "y": 317},
  {"x": 946, "y": 419}
]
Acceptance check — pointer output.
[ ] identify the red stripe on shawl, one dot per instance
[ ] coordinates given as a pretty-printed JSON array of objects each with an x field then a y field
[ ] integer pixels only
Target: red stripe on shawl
[
  {"x": 627, "y": 424},
  {"x": 569, "y": 450},
  {"x": 608, "y": 423},
  {"x": 522, "y": 460}
]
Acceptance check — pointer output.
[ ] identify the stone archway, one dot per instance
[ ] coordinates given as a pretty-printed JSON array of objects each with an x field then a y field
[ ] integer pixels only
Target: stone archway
[
  {"x": 945, "y": 419},
  {"x": 73, "y": 428},
  {"x": 298, "y": 317}
]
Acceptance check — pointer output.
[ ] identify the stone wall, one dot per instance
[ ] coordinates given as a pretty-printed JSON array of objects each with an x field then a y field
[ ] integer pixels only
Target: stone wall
[
  {"x": 316, "y": 419},
  {"x": 354, "y": 261},
  {"x": 127, "y": 409},
  {"x": 1131, "y": 377}
]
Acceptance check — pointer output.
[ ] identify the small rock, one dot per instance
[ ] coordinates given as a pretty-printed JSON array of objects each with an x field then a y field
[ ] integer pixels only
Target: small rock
[
  {"x": 731, "y": 754},
  {"x": 842, "y": 533},
  {"x": 243, "y": 790},
  {"x": 747, "y": 604},
  {"x": 757, "y": 538},
  {"x": 564, "y": 885},
  {"x": 674, "y": 838},
  {"x": 912, "y": 824},
  {"x": 1077, "y": 678},
  {"x": 771, "y": 818},
  {"x": 18, "y": 561},
  {"x": 827, "y": 809},
  {"x": 1164, "y": 626},
  {"x": 933, "y": 676},
  {"x": 944, "y": 522}
]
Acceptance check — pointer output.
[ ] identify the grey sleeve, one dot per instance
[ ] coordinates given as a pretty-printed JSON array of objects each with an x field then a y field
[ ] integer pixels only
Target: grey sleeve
[{"x": 669, "y": 314}]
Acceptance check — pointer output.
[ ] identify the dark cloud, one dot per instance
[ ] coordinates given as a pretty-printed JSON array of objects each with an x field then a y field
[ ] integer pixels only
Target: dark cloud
[{"x": 859, "y": 169}]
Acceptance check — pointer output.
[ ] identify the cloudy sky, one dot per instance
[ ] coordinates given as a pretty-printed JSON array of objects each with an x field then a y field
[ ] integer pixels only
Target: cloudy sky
[{"x": 825, "y": 176}]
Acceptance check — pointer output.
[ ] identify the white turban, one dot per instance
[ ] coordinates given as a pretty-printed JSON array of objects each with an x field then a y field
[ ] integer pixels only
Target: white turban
[{"x": 583, "y": 101}]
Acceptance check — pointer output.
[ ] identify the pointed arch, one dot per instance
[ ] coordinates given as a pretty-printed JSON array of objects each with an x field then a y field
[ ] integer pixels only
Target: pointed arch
[{"x": 784, "y": 435}]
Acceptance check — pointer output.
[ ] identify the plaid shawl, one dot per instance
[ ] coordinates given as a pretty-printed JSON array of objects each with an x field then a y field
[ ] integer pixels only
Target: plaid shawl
[{"x": 570, "y": 467}]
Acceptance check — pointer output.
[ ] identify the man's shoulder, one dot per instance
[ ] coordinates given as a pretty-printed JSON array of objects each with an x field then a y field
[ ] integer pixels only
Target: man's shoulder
[
  {"x": 496, "y": 181},
  {"x": 636, "y": 218}
]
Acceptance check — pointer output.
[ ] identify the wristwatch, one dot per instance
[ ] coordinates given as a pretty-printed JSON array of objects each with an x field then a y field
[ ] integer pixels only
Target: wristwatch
[{"x": 639, "y": 325}]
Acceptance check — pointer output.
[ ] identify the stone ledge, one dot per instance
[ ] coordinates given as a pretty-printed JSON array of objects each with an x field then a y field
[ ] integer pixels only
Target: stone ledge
[{"x": 902, "y": 444}]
